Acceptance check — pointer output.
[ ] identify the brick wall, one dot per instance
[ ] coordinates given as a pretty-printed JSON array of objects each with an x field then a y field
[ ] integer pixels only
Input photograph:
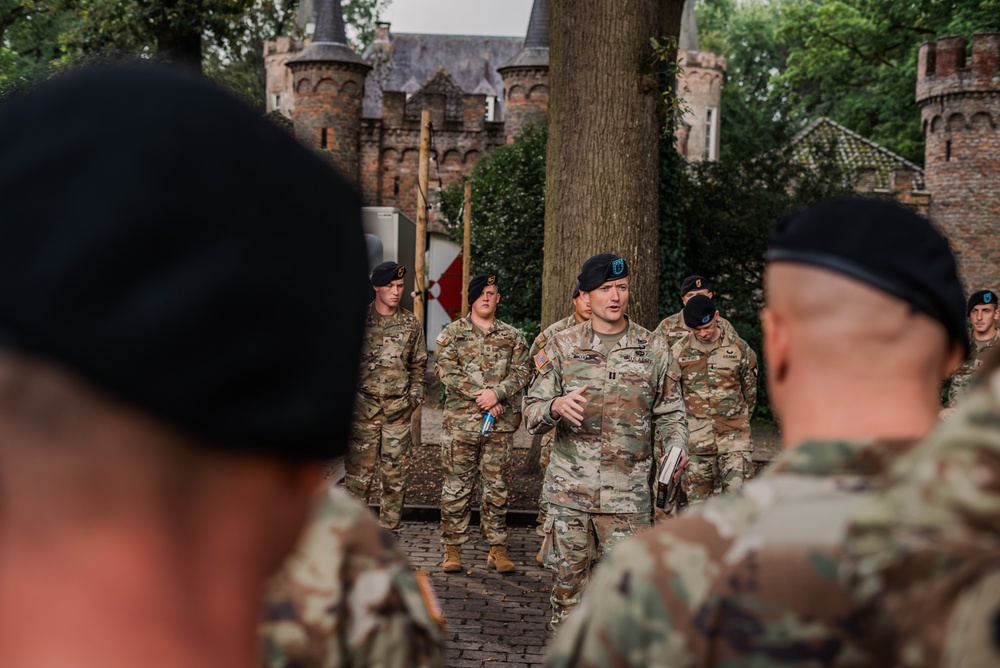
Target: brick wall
[
  {"x": 526, "y": 98},
  {"x": 327, "y": 111},
  {"x": 959, "y": 101}
]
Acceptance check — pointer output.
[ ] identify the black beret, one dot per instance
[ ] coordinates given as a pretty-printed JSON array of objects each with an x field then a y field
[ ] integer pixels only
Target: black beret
[
  {"x": 692, "y": 283},
  {"x": 386, "y": 273},
  {"x": 883, "y": 244},
  {"x": 699, "y": 311},
  {"x": 599, "y": 269},
  {"x": 981, "y": 297},
  {"x": 156, "y": 254},
  {"x": 478, "y": 283},
  {"x": 576, "y": 290}
]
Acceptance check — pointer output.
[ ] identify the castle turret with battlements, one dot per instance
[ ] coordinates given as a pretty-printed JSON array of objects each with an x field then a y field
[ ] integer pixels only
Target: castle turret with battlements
[{"x": 959, "y": 99}]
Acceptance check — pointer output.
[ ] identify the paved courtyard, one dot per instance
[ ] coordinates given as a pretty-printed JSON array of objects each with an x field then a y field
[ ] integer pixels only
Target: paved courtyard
[{"x": 493, "y": 619}]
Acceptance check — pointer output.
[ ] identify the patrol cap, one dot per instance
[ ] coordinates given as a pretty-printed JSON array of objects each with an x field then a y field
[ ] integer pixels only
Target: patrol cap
[
  {"x": 478, "y": 283},
  {"x": 883, "y": 244},
  {"x": 699, "y": 311},
  {"x": 981, "y": 297},
  {"x": 599, "y": 269},
  {"x": 576, "y": 290},
  {"x": 156, "y": 255},
  {"x": 692, "y": 283},
  {"x": 386, "y": 273}
]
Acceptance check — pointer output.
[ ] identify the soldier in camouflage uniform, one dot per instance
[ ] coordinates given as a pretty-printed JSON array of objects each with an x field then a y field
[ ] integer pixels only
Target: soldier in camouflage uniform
[
  {"x": 483, "y": 365},
  {"x": 604, "y": 388},
  {"x": 581, "y": 313},
  {"x": 390, "y": 386},
  {"x": 751, "y": 578},
  {"x": 672, "y": 328},
  {"x": 982, "y": 310},
  {"x": 925, "y": 552},
  {"x": 347, "y": 598},
  {"x": 718, "y": 373}
]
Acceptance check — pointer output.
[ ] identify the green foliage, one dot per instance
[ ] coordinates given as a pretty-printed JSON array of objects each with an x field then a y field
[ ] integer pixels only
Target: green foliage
[
  {"x": 226, "y": 37},
  {"x": 856, "y": 61},
  {"x": 508, "y": 223}
]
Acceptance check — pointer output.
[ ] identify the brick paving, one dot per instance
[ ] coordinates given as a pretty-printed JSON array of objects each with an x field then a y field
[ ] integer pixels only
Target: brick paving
[{"x": 493, "y": 619}]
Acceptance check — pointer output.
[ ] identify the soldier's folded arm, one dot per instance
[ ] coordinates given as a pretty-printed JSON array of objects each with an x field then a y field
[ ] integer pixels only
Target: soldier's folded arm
[
  {"x": 520, "y": 372},
  {"x": 671, "y": 426},
  {"x": 449, "y": 371},
  {"x": 749, "y": 380},
  {"x": 418, "y": 368},
  {"x": 544, "y": 390}
]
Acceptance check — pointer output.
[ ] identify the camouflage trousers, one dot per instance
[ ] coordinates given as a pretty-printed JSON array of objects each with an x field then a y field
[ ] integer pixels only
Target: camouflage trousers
[
  {"x": 471, "y": 460},
  {"x": 543, "y": 462},
  {"x": 578, "y": 540},
  {"x": 707, "y": 475},
  {"x": 376, "y": 442}
]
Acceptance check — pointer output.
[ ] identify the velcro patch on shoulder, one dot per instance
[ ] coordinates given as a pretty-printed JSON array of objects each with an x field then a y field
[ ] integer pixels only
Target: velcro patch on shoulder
[
  {"x": 542, "y": 362},
  {"x": 540, "y": 339},
  {"x": 442, "y": 338}
]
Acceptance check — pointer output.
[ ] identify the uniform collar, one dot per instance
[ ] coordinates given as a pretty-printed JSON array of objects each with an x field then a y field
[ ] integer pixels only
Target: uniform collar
[
  {"x": 374, "y": 316},
  {"x": 589, "y": 339},
  {"x": 471, "y": 326},
  {"x": 841, "y": 457}
]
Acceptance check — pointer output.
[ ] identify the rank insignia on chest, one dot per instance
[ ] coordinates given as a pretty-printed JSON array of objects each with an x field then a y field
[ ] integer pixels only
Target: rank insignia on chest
[{"x": 542, "y": 362}]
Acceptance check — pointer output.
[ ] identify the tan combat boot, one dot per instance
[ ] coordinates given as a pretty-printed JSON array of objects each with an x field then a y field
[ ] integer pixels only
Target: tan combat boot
[
  {"x": 499, "y": 560},
  {"x": 452, "y": 558}
]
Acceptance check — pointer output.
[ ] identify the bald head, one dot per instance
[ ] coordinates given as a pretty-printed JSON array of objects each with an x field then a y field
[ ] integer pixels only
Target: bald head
[{"x": 832, "y": 339}]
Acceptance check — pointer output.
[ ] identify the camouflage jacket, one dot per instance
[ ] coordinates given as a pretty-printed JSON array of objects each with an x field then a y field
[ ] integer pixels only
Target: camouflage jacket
[
  {"x": 393, "y": 361},
  {"x": 748, "y": 579},
  {"x": 634, "y": 411},
  {"x": 559, "y": 325},
  {"x": 719, "y": 384},
  {"x": 467, "y": 362},
  {"x": 673, "y": 329},
  {"x": 347, "y": 598},
  {"x": 960, "y": 382},
  {"x": 926, "y": 550}
]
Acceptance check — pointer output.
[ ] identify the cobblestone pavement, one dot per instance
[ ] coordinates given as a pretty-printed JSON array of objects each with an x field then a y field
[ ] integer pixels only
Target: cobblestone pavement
[{"x": 493, "y": 619}]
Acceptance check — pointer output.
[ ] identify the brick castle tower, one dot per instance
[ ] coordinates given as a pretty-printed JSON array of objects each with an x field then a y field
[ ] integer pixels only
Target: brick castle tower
[
  {"x": 699, "y": 82},
  {"x": 328, "y": 81},
  {"x": 959, "y": 102},
  {"x": 526, "y": 75}
]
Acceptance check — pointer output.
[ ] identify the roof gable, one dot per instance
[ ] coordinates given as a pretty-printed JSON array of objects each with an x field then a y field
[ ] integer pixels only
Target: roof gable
[{"x": 851, "y": 151}]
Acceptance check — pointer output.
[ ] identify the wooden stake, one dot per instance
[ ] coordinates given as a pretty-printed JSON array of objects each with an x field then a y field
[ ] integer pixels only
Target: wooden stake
[
  {"x": 419, "y": 272},
  {"x": 467, "y": 249},
  {"x": 423, "y": 166}
]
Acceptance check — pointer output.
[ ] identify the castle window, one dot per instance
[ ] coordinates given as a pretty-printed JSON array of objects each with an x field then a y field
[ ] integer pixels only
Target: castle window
[
  {"x": 711, "y": 127},
  {"x": 322, "y": 138},
  {"x": 277, "y": 102},
  {"x": 947, "y": 151},
  {"x": 491, "y": 108}
]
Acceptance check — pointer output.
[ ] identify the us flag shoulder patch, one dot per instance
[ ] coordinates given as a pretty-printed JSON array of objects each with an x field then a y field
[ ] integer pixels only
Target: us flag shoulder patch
[
  {"x": 542, "y": 362},
  {"x": 442, "y": 337}
]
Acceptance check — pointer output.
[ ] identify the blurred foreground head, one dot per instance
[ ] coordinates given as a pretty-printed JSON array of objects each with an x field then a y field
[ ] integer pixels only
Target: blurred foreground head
[
  {"x": 181, "y": 299},
  {"x": 172, "y": 248},
  {"x": 865, "y": 313}
]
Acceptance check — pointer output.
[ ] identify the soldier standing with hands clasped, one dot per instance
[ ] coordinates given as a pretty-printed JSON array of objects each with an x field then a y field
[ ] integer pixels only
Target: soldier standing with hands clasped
[
  {"x": 390, "y": 386},
  {"x": 718, "y": 373},
  {"x": 604, "y": 386},
  {"x": 483, "y": 365}
]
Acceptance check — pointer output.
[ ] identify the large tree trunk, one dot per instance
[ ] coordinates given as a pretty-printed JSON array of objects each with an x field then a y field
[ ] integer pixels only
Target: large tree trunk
[{"x": 602, "y": 165}]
